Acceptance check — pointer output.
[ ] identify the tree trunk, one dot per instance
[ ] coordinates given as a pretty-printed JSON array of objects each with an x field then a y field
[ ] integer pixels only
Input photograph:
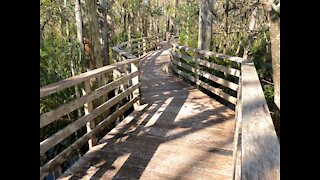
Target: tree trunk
[
  {"x": 175, "y": 25},
  {"x": 124, "y": 13},
  {"x": 77, "y": 10},
  {"x": 104, "y": 32},
  {"x": 226, "y": 26},
  {"x": 274, "y": 23},
  {"x": 92, "y": 51},
  {"x": 205, "y": 25},
  {"x": 130, "y": 22},
  {"x": 252, "y": 25}
]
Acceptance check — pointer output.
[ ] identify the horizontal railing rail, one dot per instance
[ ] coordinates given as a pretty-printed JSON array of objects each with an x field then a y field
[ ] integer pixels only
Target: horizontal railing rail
[
  {"x": 194, "y": 65},
  {"x": 137, "y": 47},
  {"x": 49, "y": 117},
  {"x": 123, "y": 82},
  {"x": 256, "y": 150}
]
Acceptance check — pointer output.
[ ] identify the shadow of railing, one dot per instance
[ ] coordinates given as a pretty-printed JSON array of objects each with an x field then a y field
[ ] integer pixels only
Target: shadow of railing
[{"x": 135, "y": 144}]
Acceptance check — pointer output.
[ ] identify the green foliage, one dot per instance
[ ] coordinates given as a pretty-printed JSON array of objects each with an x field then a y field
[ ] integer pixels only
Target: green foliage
[{"x": 268, "y": 93}]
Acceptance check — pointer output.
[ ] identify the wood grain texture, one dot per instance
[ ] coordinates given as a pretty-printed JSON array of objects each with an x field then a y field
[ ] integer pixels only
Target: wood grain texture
[
  {"x": 208, "y": 54},
  {"x": 65, "y": 154},
  {"x": 228, "y": 70},
  {"x": 154, "y": 145},
  {"x": 58, "y": 86},
  {"x": 55, "y": 114},
  {"x": 260, "y": 145},
  {"x": 53, "y": 140},
  {"x": 216, "y": 91},
  {"x": 218, "y": 80},
  {"x": 237, "y": 136},
  {"x": 182, "y": 56}
]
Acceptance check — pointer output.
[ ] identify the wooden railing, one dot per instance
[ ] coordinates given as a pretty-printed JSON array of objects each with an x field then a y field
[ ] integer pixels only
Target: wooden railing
[
  {"x": 125, "y": 85},
  {"x": 193, "y": 64},
  {"x": 137, "y": 47},
  {"x": 256, "y": 150}
]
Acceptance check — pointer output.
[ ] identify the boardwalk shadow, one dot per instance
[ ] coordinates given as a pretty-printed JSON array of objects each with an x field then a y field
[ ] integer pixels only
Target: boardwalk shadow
[{"x": 126, "y": 152}]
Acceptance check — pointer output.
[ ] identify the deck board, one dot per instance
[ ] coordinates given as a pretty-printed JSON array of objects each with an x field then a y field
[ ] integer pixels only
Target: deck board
[{"x": 181, "y": 134}]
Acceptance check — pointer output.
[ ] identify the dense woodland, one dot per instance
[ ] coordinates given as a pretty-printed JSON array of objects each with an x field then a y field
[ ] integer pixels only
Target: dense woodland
[{"x": 77, "y": 35}]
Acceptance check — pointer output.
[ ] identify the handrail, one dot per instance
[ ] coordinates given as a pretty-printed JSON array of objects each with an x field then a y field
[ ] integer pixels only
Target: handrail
[
  {"x": 208, "y": 54},
  {"x": 141, "y": 46},
  {"x": 125, "y": 74},
  {"x": 186, "y": 58},
  {"x": 69, "y": 82},
  {"x": 260, "y": 148},
  {"x": 256, "y": 150}
]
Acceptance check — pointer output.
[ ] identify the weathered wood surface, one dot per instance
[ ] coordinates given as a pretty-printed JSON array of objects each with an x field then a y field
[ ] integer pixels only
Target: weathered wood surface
[
  {"x": 61, "y": 157},
  {"x": 237, "y": 137},
  {"x": 55, "y": 87},
  {"x": 53, "y": 140},
  {"x": 55, "y": 114},
  {"x": 208, "y": 54},
  {"x": 207, "y": 75},
  {"x": 214, "y": 90},
  {"x": 260, "y": 145},
  {"x": 228, "y": 70},
  {"x": 181, "y": 134}
]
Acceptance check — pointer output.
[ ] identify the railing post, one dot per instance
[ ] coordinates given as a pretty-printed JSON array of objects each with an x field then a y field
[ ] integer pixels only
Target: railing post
[
  {"x": 144, "y": 46},
  {"x": 237, "y": 136},
  {"x": 158, "y": 42},
  {"x": 88, "y": 107},
  {"x": 116, "y": 75},
  {"x": 135, "y": 80},
  {"x": 196, "y": 74},
  {"x": 129, "y": 49},
  {"x": 139, "y": 48},
  {"x": 167, "y": 36}
]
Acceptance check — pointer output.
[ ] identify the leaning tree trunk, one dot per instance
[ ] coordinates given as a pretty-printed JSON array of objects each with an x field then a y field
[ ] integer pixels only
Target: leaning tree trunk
[{"x": 205, "y": 25}]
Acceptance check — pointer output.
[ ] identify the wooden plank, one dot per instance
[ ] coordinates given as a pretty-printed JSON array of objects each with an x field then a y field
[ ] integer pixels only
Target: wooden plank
[
  {"x": 126, "y": 54},
  {"x": 183, "y": 74},
  {"x": 88, "y": 108},
  {"x": 129, "y": 149},
  {"x": 204, "y": 74},
  {"x": 116, "y": 49},
  {"x": 136, "y": 45},
  {"x": 221, "y": 56},
  {"x": 260, "y": 145},
  {"x": 184, "y": 57},
  {"x": 60, "y": 85},
  {"x": 210, "y": 53},
  {"x": 237, "y": 138},
  {"x": 184, "y": 66},
  {"x": 63, "y": 156},
  {"x": 219, "y": 80},
  {"x": 135, "y": 80},
  {"x": 48, "y": 143},
  {"x": 218, "y": 92},
  {"x": 231, "y": 71},
  {"x": 237, "y": 172},
  {"x": 53, "y": 115}
]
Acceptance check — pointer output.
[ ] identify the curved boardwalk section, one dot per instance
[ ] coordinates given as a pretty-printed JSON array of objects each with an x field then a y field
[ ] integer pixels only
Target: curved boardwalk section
[{"x": 179, "y": 133}]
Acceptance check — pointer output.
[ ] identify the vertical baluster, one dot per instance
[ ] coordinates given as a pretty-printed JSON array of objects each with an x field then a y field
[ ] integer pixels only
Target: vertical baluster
[
  {"x": 135, "y": 80},
  {"x": 88, "y": 107}
]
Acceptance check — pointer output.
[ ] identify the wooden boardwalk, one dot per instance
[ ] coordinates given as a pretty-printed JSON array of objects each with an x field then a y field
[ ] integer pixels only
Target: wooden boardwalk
[{"x": 179, "y": 133}]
